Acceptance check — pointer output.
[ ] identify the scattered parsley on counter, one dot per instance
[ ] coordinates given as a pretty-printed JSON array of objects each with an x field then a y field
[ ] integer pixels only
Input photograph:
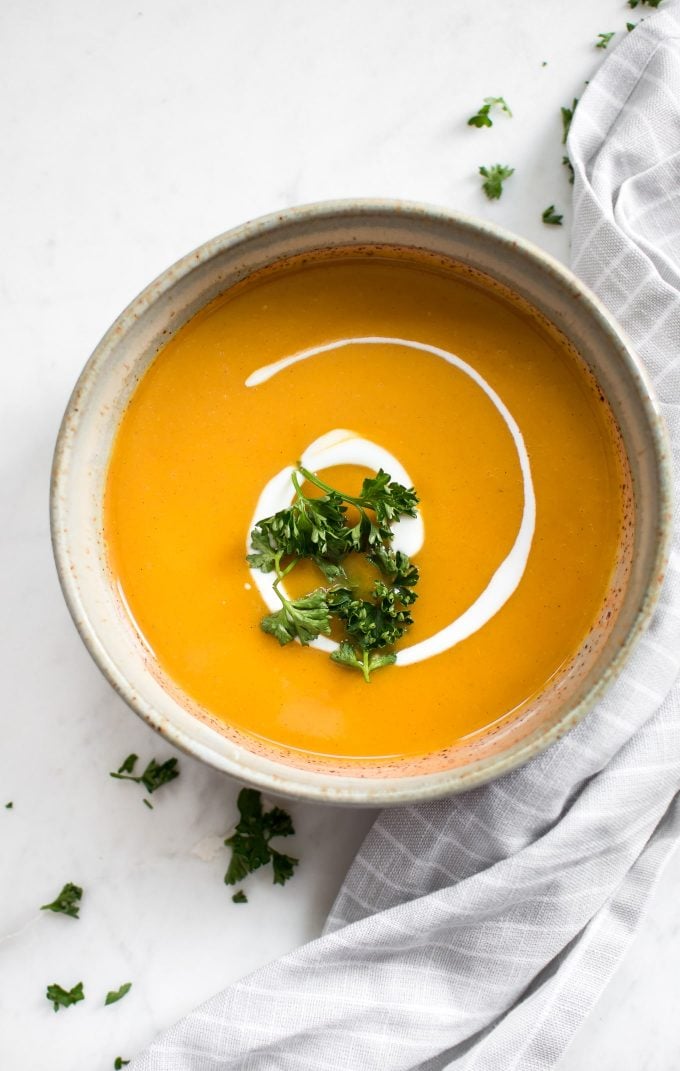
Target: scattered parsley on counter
[
  {"x": 317, "y": 528},
  {"x": 494, "y": 177},
  {"x": 250, "y": 842},
  {"x": 148, "y": 804},
  {"x": 9, "y": 806},
  {"x": 603, "y": 39},
  {"x": 128, "y": 765},
  {"x": 551, "y": 217},
  {"x": 239, "y": 897},
  {"x": 155, "y": 775},
  {"x": 631, "y": 26},
  {"x": 570, "y": 167},
  {"x": 117, "y": 994},
  {"x": 119, "y": 1063},
  {"x": 650, "y": 3},
  {"x": 482, "y": 118},
  {"x": 67, "y": 901},
  {"x": 567, "y": 116},
  {"x": 64, "y": 998}
]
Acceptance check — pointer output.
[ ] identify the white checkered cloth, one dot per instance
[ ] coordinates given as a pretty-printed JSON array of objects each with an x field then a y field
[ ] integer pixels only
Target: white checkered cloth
[{"x": 477, "y": 932}]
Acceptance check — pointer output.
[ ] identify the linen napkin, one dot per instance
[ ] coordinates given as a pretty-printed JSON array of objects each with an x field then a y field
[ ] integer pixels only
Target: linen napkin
[{"x": 476, "y": 933}]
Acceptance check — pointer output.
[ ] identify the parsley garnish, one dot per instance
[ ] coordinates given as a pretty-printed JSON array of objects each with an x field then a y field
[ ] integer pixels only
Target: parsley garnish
[
  {"x": 603, "y": 39},
  {"x": 8, "y": 806},
  {"x": 117, "y": 994},
  {"x": 250, "y": 842},
  {"x": 650, "y": 3},
  {"x": 155, "y": 775},
  {"x": 239, "y": 897},
  {"x": 570, "y": 167},
  {"x": 567, "y": 116},
  {"x": 67, "y": 901},
  {"x": 494, "y": 177},
  {"x": 631, "y": 26},
  {"x": 119, "y": 1063},
  {"x": 64, "y": 998},
  {"x": 550, "y": 216},
  {"x": 482, "y": 118},
  {"x": 317, "y": 528}
]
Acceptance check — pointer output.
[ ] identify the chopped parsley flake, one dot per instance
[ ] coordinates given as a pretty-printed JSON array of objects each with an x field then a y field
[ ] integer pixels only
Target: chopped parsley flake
[
  {"x": 551, "y": 217},
  {"x": 567, "y": 116},
  {"x": 66, "y": 902},
  {"x": 603, "y": 39},
  {"x": 482, "y": 117},
  {"x": 494, "y": 177},
  {"x": 64, "y": 998},
  {"x": 117, "y": 994},
  {"x": 155, "y": 775}
]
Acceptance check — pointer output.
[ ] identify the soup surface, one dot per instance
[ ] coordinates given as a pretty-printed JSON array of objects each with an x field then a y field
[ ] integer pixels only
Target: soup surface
[{"x": 484, "y": 408}]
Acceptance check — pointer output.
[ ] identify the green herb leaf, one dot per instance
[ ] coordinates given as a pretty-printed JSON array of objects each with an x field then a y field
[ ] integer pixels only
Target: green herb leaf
[
  {"x": 239, "y": 897},
  {"x": 567, "y": 116},
  {"x": 631, "y": 26},
  {"x": 8, "y": 806},
  {"x": 66, "y": 902},
  {"x": 362, "y": 660},
  {"x": 155, "y": 775},
  {"x": 551, "y": 217},
  {"x": 494, "y": 176},
  {"x": 148, "y": 804},
  {"x": 568, "y": 164},
  {"x": 115, "y": 995},
  {"x": 649, "y": 3},
  {"x": 301, "y": 619},
  {"x": 603, "y": 39},
  {"x": 250, "y": 842},
  {"x": 283, "y": 867},
  {"x": 317, "y": 528},
  {"x": 482, "y": 118},
  {"x": 64, "y": 998},
  {"x": 119, "y": 1063}
]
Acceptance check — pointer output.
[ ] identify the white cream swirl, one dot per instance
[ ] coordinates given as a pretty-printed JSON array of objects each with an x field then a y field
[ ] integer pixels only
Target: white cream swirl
[{"x": 340, "y": 447}]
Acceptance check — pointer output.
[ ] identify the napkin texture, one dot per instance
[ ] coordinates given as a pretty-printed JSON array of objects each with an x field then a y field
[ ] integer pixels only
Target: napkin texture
[{"x": 475, "y": 933}]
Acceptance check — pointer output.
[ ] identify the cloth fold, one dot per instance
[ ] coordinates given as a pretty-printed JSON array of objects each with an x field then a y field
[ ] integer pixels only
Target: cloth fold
[{"x": 477, "y": 932}]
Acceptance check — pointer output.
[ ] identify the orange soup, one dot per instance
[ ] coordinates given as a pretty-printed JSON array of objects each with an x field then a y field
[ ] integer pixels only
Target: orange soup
[{"x": 433, "y": 371}]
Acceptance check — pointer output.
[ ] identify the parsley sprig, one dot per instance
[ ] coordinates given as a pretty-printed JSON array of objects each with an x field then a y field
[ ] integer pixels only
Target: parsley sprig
[
  {"x": 317, "y": 528},
  {"x": 494, "y": 176},
  {"x": 250, "y": 842},
  {"x": 483, "y": 118},
  {"x": 67, "y": 902},
  {"x": 154, "y": 776},
  {"x": 64, "y": 998}
]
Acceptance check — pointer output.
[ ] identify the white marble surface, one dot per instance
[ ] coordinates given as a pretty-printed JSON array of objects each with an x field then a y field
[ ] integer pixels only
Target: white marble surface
[{"x": 132, "y": 131}]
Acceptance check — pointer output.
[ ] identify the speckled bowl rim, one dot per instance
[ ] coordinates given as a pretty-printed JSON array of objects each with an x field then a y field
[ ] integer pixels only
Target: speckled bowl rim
[{"x": 285, "y": 780}]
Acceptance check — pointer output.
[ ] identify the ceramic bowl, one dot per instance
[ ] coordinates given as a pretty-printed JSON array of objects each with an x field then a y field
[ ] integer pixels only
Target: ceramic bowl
[{"x": 121, "y": 358}]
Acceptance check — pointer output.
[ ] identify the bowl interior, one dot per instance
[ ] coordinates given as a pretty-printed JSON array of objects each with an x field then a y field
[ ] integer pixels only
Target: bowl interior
[{"x": 120, "y": 361}]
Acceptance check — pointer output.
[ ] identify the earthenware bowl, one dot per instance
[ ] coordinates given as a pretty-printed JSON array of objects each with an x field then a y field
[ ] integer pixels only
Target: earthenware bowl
[{"x": 113, "y": 371}]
